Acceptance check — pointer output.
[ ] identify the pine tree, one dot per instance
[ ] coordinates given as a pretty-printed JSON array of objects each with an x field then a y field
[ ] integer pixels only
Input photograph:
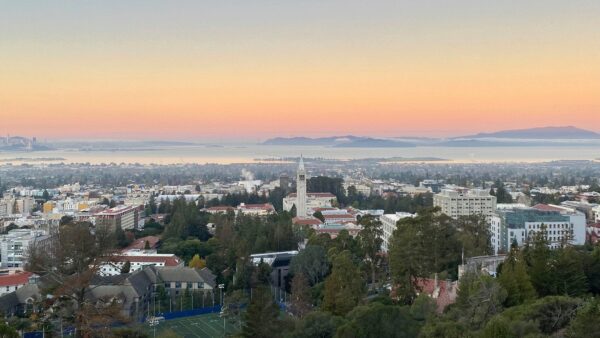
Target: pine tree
[
  {"x": 343, "y": 288},
  {"x": 301, "y": 295},
  {"x": 126, "y": 267},
  {"x": 515, "y": 280},
  {"x": 261, "y": 319}
]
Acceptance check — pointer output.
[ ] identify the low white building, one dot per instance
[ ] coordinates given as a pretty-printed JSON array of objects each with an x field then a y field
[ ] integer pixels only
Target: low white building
[
  {"x": 388, "y": 223},
  {"x": 138, "y": 259},
  {"x": 256, "y": 209}
]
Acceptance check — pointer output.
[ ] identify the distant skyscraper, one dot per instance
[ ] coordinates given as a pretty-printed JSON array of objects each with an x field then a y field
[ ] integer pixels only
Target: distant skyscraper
[{"x": 301, "y": 190}]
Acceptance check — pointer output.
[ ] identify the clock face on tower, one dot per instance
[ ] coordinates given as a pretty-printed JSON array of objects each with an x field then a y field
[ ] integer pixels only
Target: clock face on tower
[{"x": 301, "y": 177}]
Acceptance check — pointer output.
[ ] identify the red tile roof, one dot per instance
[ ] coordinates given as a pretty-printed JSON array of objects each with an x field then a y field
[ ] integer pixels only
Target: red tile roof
[
  {"x": 546, "y": 207},
  {"x": 140, "y": 243},
  {"x": 18, "y": 278},
  {"x": 306, "y": 221},
  {"x": 447, "y": 291},
  {"x": 220, "y": 208},
  {"x": 339, "y": 216},
  {"x": 265, "y": 206},
  {"x": 315, "y": 194},
  {"x": 166, "y": 260}
]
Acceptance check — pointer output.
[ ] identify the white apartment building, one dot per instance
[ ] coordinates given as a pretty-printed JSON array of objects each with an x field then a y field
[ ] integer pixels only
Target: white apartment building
[
  {"x": 14, "y": 245},
  {"x": 472, "y": 202},
  {"x": 388, "y": 223},
  {"x": 518, "y": 224}
]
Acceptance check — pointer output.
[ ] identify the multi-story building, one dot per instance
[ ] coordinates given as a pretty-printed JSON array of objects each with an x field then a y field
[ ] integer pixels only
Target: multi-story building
[
  {"x": 138, "y": 259},
  {"x": 518, "y": 224},
  {"x": 388, "y": 223},
  {"x": 14, "y": 246},
  {"x": 256, "y": 209},
  {"x": 122, "y": 216},
  {"x": 472, "y": 202}
]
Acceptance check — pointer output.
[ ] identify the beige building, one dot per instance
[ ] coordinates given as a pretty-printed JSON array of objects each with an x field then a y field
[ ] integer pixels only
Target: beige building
[{"x": 465, "y": 203}]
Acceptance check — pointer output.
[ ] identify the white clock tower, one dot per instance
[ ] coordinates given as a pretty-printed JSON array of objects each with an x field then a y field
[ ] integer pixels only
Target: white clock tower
[{"x": 301, "y": 190}]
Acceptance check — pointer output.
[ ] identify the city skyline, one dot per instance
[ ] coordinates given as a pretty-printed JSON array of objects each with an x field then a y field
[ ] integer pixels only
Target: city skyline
[{"x": 151, "y": 70}]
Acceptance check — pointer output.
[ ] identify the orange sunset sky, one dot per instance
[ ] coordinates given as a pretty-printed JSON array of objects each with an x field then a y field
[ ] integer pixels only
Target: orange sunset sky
[{"x": 199, "y": 70}]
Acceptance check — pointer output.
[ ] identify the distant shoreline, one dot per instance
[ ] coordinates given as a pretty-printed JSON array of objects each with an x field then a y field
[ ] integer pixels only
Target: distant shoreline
[{"x": 32, "y": 159}]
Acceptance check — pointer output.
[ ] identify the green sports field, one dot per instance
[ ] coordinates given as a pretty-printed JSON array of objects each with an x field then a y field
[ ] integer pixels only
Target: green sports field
[{"x": 209, "y": 325}]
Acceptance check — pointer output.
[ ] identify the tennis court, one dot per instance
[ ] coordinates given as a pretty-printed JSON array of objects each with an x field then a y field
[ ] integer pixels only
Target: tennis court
[{"x": 208, "y": 325}]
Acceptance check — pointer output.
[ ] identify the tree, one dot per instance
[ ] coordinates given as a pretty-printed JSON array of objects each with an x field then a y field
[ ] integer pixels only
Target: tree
[
  {"x": 344, "y": 288},
  {"x": 317, "y": 324},
  {"x": 8, "y": 332},
  {"x": 515, "y": 280},
  {"x": 301, "y": 296},
  {"x": 419, "y": 247},
  {"x": 126, "y": 267},
  {"x": 479, "y": 298},
  {"x": 541, "y": 262},
  {"x": 197, "y": 262},
  {"x": 585, "y": 323},
  {"x": 369, "y": 240},
  {"x": 178, "y": 225},
  {"x": 569, "y": 275},
  {"x": 68, "y": 267},
  {"x": 379, "y": 320},
  {"x": 45, "y": 195},
  {"x": 474, "y": 235},
  {"x": 319, "y": 215},
  {"x": 312, "y": 263},
  {"x": 261, "y": 319}
]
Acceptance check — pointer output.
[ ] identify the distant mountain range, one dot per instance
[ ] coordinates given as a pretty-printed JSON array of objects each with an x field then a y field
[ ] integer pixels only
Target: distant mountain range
[
  {"x": 533, "y": 137},
  {"x": 543, "y": 133}
]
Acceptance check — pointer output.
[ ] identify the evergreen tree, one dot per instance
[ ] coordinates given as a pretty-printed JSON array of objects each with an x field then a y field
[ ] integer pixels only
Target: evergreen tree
[
  {"x": 261, "y": 319},
  {"x": 301, "y": 296},
  {"x": 126, "y": 267},
  {"x": 344, "y": 288},
  {"x": 515, "y": 280},
  {"x": 540, "y": 260},
  {"x": 570, "y": 279},
  {"x": 370, "y": 239}
]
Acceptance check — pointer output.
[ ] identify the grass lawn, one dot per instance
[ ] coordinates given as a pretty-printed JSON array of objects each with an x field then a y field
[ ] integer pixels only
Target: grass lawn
[{"x": 209, "y": 325}]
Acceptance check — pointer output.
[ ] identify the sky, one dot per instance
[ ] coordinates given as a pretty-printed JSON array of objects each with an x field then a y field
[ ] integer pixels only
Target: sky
[{"x": 196, "y": 70}]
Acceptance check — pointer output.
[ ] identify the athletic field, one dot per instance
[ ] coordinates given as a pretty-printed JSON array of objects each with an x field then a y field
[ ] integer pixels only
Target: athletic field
[{"x": 209, "y": 325}]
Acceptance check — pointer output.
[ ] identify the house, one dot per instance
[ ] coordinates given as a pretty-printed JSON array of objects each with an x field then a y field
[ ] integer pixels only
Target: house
[
  {"x": 137, "y": 291},
  {"x": 14, "y": 280},
  {"x": 20, "y": 301}
]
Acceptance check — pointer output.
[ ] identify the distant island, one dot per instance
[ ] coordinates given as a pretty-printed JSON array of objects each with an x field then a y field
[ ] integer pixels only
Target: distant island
[
  {"x": 543, "y": 133},
  {"x": 532, "y": 137},
  {"x": 348, "y": 141}
]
